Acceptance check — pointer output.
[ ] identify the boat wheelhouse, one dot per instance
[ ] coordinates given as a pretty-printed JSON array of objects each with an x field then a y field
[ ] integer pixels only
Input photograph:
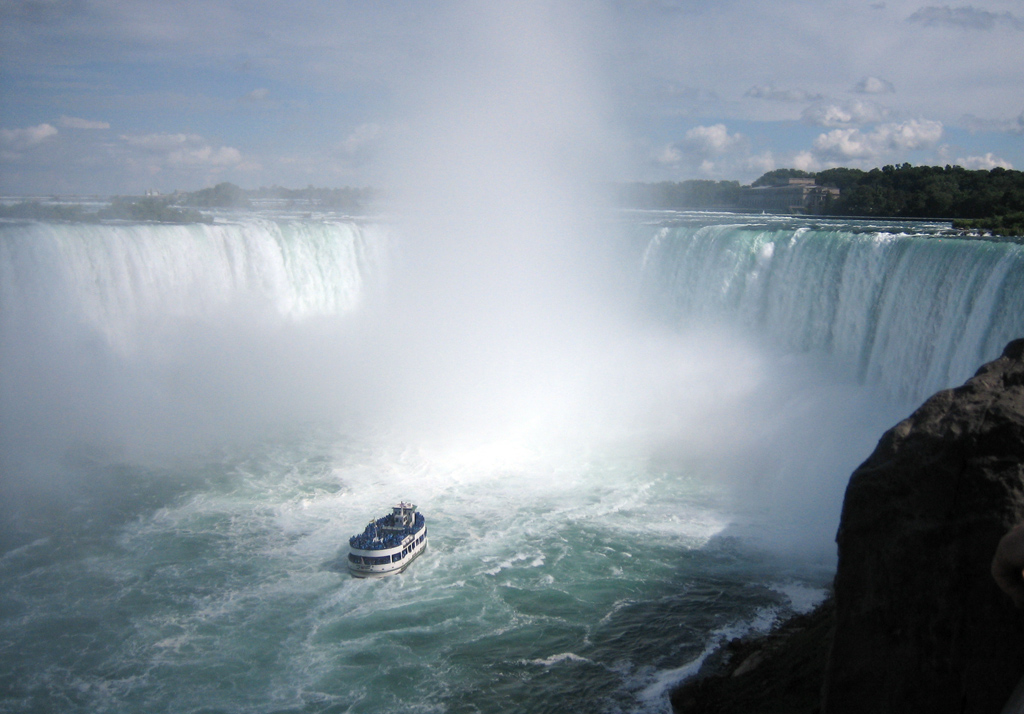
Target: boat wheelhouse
[{"x": 388, "y": 544}]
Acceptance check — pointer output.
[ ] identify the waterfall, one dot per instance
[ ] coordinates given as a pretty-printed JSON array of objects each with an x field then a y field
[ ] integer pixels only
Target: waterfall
[
  {"x": 163, "y": 334},
  {"x": 114, "y": 279},
  {"x": 251, "y": 317},
  {"x": 911, "y": 309},
  {"x": 194, "y": 420}
]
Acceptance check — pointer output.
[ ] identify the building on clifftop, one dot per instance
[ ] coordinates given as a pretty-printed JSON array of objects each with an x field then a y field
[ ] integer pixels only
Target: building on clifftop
[{"x": 800, "y": 195}]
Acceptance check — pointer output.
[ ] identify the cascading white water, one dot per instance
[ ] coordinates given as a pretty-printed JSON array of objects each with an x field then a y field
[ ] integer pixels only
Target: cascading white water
[
  {"x": 901, "y": 306},
  {"x": 115, "y": 279},
  {"x": 140, "y": 336},
  {"x": 585, "y": 554}
]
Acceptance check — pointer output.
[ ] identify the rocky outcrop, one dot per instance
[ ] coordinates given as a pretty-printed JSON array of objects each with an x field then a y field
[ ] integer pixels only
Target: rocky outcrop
[
  {"x": 778, "y": 673},
  {"x": 920, "y": 623}
]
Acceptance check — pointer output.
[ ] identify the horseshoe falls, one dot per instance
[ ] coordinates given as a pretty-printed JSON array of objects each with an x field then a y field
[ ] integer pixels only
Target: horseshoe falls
[
  {"x": 618, "y": 471},
  {"x": 899, "y": 305}
]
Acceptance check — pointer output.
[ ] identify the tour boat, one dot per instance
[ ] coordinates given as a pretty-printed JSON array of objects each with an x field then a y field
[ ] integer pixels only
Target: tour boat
[{"x": 388, "y": 544}]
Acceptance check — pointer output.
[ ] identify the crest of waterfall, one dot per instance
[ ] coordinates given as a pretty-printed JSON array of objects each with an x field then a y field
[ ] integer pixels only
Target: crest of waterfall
[
  {"x": 158, "y": 334},
  {"x": 906, "y": 307},
  {"x": 116, "y": 279}
]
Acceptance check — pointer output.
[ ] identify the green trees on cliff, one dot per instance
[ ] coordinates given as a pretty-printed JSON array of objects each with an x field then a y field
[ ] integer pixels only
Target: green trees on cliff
[
  {"x": 780, "y": 177},
  {"x": 925, "y": 192},
  {"x": 988, "y": 200}
]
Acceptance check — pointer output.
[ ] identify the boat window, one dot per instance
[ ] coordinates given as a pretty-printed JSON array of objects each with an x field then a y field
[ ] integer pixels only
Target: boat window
[
  {"x": 396, "y": 557},
  {"x": 355, "y": 559}
]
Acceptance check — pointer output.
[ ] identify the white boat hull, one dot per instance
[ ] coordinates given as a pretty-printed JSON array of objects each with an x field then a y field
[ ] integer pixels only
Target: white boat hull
[
  {"x": 362, "y": 570},
  {"x": 374, "y": 561}
]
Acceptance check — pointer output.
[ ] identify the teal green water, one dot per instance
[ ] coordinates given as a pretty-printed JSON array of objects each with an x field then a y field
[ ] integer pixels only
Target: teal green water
[
  {"x": 616, "y": 477},
  {"x": 553, "y": 582}
]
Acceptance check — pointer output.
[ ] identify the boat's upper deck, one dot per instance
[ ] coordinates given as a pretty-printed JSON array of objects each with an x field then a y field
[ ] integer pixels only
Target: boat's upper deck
[{"x": 389, "y": 531}]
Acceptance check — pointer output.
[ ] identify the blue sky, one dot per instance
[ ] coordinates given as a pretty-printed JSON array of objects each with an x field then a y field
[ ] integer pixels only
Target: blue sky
[{"x": 111, "y": 96}]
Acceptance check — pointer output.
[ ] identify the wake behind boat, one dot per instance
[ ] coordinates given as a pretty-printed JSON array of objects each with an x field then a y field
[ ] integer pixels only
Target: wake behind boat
[{"x": 388, "y": 544}]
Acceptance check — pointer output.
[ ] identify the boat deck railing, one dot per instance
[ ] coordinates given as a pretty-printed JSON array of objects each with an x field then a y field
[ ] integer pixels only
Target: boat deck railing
[{"x": 385, "y": 533}]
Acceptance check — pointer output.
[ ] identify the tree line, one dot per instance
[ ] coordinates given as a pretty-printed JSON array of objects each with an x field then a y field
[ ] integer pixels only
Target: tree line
[
  {"x": 925, "y": 191},
  {"x": 973, "y": 199}
]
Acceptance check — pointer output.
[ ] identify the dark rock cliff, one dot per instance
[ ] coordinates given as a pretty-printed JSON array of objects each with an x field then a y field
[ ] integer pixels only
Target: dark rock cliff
[
  {"x": 778, "y": 673},
  {"x": 920, "y": 623}
]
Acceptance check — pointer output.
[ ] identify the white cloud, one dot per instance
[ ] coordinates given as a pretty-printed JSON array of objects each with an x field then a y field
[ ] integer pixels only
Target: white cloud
[
  {"x": 966, "y": 17},
  {"x": 856, "y": 111},
  {"x": 988, "y": 161},
  {"x": 206, "y": 156},
  {"x": 854, "y": 144},
  {"x": 714, "y": 152},
  {"x": 874, "y": 85},
  {"x": 649, "y": 69},
  {"x": 20, "y": 139},
  {"x": 184, "y": 150},
  {"x": 772, "y": 93},
  {"x": 699, "y": 144},
  {"x": 669, "y": 155},
  {"x": 76, "y": 123},
  {"x": 711, "y": 140},
  {"x": 913, "y": 134},
  {"x": 761, "y": 163},
  {"x": 806, "y": 161}
]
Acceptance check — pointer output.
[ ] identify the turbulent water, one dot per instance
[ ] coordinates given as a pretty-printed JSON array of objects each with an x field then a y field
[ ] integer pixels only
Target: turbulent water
[{"x": 194, "y": 420}]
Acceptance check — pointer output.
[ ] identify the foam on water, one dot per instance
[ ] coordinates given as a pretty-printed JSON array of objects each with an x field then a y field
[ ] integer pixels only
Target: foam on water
[
  {"x": 654, "y": 492},
  {"x": 233, "y": 595},
  {"x": 911, "y": 311}
]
